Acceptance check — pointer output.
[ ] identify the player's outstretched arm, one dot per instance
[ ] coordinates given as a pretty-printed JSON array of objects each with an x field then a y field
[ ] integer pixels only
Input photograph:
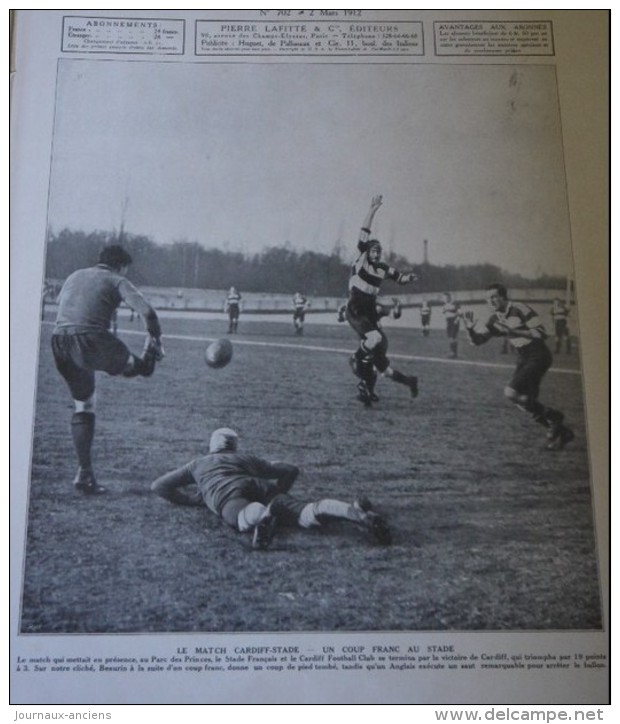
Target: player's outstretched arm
[
  {"x": 178, "y": 486},
  {"x": 136, "y": 301},
  {"x": 367, "y": 225}
]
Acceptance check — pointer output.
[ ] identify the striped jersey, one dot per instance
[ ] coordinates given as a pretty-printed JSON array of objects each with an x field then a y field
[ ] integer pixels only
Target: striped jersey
[
  {"x": 300, "y": 302},
  {"x": 367, "y": 277},
  {"x": 233, "y": 298},
  {"x": 451, "y": 310},
  {"x": 517, "y": 316}
]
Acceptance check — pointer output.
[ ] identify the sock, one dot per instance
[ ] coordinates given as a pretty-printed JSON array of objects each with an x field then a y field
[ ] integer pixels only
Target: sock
[
  {"x": 83, "y": 432},
  {"x": 249, "y": 516},
  {"x": 328, "y": 507}
]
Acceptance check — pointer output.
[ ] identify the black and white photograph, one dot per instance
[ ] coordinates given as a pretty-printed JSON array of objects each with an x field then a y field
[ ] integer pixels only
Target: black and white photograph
[{"x": 309, "y": 357}]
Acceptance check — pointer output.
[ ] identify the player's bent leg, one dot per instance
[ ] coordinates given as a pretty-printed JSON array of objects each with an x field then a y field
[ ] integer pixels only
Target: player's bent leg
[
  {"x": 144, "y": 366},
  {"x": 287, "y": 509},
  {"x": 253, "y": 516},
  {"x": 362, "y": 366},
  {"x": 360, "y": 512},
  {"x": 409, "y": 380},
  {"x": 558, "y": 434}
]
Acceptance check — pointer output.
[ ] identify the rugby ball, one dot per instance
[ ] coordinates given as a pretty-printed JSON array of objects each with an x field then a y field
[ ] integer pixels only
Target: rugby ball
[{"x": 219, "y": 353}]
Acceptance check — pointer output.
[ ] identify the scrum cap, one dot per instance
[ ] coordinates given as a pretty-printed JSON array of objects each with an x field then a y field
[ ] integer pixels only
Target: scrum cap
[{"x": 223, "y": 439}]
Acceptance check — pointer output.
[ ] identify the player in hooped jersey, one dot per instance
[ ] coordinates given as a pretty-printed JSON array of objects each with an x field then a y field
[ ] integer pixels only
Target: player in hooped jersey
[
  {"x": 82, "y": 343},
  {"x": 300, "y": 305},
  {"x": 559, "y": 315},
  {"x": 522, "y": 326},
  {"x": 451, "y": 312},
  {"x": 425, "y": 317},
  {"x": 251, "y": 494},
  {"x": 232, "y": 306},
  {"x": 363, "y": 314}
]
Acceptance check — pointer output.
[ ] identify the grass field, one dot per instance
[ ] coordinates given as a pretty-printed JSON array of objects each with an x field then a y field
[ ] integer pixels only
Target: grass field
[{"x": 491, "y": 531}]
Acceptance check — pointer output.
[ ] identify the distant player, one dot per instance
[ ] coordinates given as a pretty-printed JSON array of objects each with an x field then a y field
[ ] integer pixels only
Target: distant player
[
  {"x": 452, "y": 316},
  {"x": 425, "y": 317},
  {"x": 559, "y": 315},
  {"x": 232, "y": 306},
  {"x": 114, "y": 323},
  {"x": 525, "y": 331},
  {"x": 300, "y": 305},
  {"x": 47, "y": 296},
  {"x": 251, "y": 494},
  {"x": 367, "y": 274},
  {"x": 83, "y": 343}
]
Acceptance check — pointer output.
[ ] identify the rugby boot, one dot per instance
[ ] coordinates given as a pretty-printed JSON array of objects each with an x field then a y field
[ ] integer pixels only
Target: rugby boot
[
  {"x": 554, "y": 420},
  {"x": 563, "y": 437},
  {"x": 263, "y": 532},
  {"x": 363, "y": 394},
  {"x": 374, "y": 524},
  {"x": 86, "y": 484}
]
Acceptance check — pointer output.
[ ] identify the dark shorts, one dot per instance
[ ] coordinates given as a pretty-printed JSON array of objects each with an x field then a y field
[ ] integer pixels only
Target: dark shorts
[
  {"x": 233, "y": 311},
  {"x": 299, "y": 314},
  {"x": 362, "y": 316},
  {"x": 533, "y": 362},
  {"x": 561, "y": 328},
  {"x": 452, "y": 328},
  {"x": 78, "y": 356},
  {"x": 364, "y": 319}
]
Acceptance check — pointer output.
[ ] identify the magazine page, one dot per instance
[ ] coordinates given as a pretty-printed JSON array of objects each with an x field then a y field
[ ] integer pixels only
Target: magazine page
[{"x": 309, "y": 357}]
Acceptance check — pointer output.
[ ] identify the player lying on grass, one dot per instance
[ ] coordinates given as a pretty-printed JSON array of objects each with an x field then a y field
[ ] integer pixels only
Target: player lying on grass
[
  {"x": 520, "y": 324},
  {"x": 82, "y": 343},
  {"x": 367, "y": 274},
  {"x": 251, "y": 494}
]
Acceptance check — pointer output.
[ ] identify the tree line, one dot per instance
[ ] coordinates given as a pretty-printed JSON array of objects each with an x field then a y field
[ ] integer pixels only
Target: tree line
[{"x": 277, "y": 269}]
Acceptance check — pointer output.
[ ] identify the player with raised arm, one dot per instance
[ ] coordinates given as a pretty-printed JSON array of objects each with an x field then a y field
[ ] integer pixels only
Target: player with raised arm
[
  {"x": 363, "y": 313},
  {"x": 82, "y": 343},
  {"x": 251, "y": 494},
  {"x": 522, "y": 326}
]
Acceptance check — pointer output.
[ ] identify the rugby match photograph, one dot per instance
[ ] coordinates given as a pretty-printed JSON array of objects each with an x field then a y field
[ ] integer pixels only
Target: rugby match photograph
[{"x": 304, "y": 364}]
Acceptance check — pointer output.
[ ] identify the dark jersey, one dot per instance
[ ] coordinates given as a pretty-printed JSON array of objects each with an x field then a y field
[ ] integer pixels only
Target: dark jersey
[
  {"x": 517, "y": 316},
  {"x": 89, "y": 297},
  {"x": 222, "y": 477}
]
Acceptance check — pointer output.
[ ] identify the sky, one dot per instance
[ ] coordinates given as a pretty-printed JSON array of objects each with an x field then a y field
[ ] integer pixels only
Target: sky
[{"x": 247, "y": 156}]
